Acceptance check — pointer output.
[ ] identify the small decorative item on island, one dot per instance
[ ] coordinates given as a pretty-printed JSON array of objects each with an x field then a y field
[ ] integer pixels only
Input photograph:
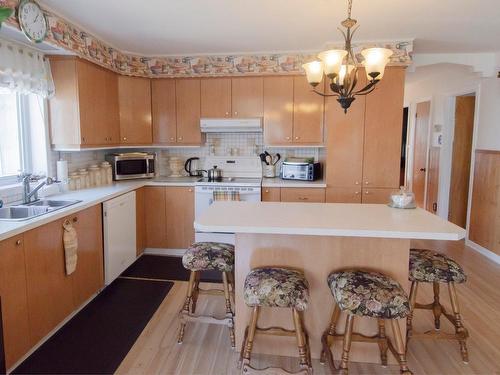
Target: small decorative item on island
[
  {"x": 402, "y": 199},
  {"x": 106, "y": 173},
  {"x": 84, "y": 178},
  {"x": 95, "y": 175},
  {"x": 176, "y": 165}
]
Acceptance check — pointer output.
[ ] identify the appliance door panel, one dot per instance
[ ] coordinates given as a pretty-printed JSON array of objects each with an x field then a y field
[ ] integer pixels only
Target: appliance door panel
[
  {"x": 119, "y": 235},
  {"x": 204, "y": 198},
  {"x": 131, "y": 167},
  {"x": 295, "y": 172}
]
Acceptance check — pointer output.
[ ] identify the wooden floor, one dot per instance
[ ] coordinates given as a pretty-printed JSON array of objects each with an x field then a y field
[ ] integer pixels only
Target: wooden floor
[{"x": 206, "y": 348}]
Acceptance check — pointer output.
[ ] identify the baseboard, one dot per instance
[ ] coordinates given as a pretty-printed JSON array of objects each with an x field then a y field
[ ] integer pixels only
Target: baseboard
[
  {"x": 483, "y": 251},
  {"x": 165, "y": 252}
]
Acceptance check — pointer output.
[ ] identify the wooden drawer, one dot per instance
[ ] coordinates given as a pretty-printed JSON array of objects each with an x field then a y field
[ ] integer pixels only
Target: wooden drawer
[
  {"x": 343, "y": 194},
  {"x": 271, "y": 194},
  {"x": 307, "y": 195},
  {"x": 377, "y": 195}
]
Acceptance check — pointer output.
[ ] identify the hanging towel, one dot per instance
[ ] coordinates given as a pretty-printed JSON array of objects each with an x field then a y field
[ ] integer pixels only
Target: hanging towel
[
  {"x": 220, "y": 195},
  {"x": 70, "y": 239}
]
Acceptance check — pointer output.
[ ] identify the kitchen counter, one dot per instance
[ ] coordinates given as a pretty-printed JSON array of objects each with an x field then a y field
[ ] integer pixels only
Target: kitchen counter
[
  {"x": 279, "y": 183},
  {"x": 318, "y": 239}
]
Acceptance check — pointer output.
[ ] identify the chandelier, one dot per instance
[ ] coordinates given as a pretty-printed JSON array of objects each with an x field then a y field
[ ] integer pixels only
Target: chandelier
[{"x": 341, "y": 67}]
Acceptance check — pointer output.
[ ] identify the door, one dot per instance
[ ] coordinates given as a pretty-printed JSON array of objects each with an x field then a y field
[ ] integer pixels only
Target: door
[
  {"x": 247, "y": 97},
  {"x": 271, "y": 194},
  {"x": 180, "y": 217},
  {"x": 50, "y": 290},
  {"x": 163, "y": 111},
  {"x": 140, "y": 220},
  {"x": 88, "y": 277},
  {"x": 188, "y": 111},
  {"x": 156, "y": 218},
  {"x": 14, "y": 299},
  {"x": 383, "y": 131},
  {"x": 376, "y": 195},
  {"x": 461, "y": 159},
  {"x": 110, "y": 107},
  {"x": 343, "y": 194},
  {"x": 278, "y": 110},
  {"x": 433, "y": 179},
  {"x": 421, "y": 146},
  {"x": 134, "y": 95},
  {"x": 216, "y": 97},
  {"x": 307, "y": 113}
]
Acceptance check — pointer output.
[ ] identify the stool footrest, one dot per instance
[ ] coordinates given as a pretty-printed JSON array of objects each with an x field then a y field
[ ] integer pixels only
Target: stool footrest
[
  {"x": 276, "y": 331},
  {"x": 247, "y": 369},
  {"x": 211, "y": 292},
  {"x": 227, "y": 320}
]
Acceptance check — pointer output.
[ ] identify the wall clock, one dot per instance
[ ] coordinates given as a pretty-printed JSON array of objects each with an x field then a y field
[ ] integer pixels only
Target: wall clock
[{"x": 32, "y": 20}]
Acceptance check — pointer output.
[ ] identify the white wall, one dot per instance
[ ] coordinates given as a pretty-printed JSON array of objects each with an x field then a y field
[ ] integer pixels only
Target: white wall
[{"x": 488, "y": 135}]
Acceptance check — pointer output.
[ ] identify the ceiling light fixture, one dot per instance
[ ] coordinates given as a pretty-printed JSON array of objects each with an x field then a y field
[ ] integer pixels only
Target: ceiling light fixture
[{"x": 341, "y": 67}]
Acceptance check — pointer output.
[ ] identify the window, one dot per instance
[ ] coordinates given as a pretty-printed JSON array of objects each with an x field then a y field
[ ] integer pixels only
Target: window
[{"x": 23, "y": 145}]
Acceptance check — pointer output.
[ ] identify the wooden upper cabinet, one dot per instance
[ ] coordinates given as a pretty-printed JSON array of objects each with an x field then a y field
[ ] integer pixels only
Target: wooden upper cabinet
[
  {"x": 180, "y": 217},
  {"x": 188, "y": 111},
  {"x": 163, "y": 111},
  {"x": 84, "y": 111},
  {"x": 383, "y": 131},
  {"x": 344, "y": 141},
  {"x": 278, "y": 110},
  {"x": 247, "y": 95},
  {"x": 14, "y": 299},
  {"x": 307, "y": 113},
  {"x": 134, "y": 95},
  {"x": 216, "y": 97}
]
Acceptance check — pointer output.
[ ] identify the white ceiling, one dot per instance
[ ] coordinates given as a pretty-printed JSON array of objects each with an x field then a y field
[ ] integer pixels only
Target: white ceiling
[{"x": 170, "y": 27}]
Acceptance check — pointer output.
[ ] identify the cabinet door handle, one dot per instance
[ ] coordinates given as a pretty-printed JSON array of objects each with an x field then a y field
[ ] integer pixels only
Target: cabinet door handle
[
  {"x": 190, "y": 190},
  {"x": 180, "y": 138},
  {"x": 356, "y": 193},
  {"x": 367, "y": 192},
  {"x": 356, "y": 183},
  {"x": 266, "y": 191},
  {"x": 303, "y": 198},
  {"x": 83, "y": 139},
  {"x": 235, "y": 113},
  {"x": 297, "y": 138},
  {"x": 287, "y": 138},
  {"x": 422, "y": 169},
  {"x": 18, "y": 242},
  {"x": 367, "y": 183},
  {"x": 75, "y": 219},
  {"x": 172, "y": 138},
  {"x": 124, "y": 138},
  {"x": 227, "y": 113}
]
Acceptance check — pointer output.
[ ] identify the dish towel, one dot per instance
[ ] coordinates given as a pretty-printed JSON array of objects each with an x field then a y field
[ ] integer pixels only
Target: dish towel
[
  {"x": 70, "y": 240},
  {"x": 220, "y": 195}
]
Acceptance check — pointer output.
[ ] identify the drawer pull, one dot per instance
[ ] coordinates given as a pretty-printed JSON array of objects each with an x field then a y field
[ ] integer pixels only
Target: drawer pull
[
  {"x": 75, "y": 219},
  {"x": 18, "y": 242},
  {"x": 303, "y": 198}
]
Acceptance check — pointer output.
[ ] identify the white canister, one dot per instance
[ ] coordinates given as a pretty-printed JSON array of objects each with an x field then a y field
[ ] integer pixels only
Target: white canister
[
  {"x": 106, "y": 173},
  {"x": 84, "y": 178},
  {"x": 176, "y": 166},
  {"x": 95, "y": 175}
]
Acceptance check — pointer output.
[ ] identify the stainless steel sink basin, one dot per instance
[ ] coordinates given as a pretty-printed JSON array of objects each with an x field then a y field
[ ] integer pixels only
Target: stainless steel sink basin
[{"x": 31, "y": 210}]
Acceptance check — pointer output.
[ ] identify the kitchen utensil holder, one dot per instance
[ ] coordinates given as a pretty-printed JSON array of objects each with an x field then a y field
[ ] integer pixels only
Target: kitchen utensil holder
[{"x": 269, "y": 171}]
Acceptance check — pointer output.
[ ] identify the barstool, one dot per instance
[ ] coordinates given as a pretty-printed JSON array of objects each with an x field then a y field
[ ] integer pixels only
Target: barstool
[
  {"x": 366, "y": 294},
  {"x": 206, "y": 256},
  {"x": 427, "y": 266},
  {"x": 276, "y": 287}
]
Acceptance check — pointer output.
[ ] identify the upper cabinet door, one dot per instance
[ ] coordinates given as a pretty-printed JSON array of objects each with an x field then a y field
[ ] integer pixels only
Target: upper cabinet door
[
  {"x": 163, "y": 110},
  {"x": 278, "y": 110},
  {"x": 112, "y": 108},
  {"x": 307, "y": 113},
  {"x": 188, "y": 111},
  {"x": 134, "y": 95},
  {"x": 383, "y": 131},
  {"x": 216, "y": 97},
  {"x": 248, "y": 97},
  {"x": 344, "y": 140}
]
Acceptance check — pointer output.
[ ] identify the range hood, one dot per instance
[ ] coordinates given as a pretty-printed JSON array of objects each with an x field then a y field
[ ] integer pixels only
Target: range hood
[{"x": 231, "y": 125}]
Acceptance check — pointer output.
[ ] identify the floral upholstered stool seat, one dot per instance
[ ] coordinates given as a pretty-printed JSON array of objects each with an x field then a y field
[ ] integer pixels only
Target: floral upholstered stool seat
[
  {"x": 427, "y": 266},
  {"x": 366, "y": 294},
  {"x": 276, "y": 287},
  {"x": 208, "y": 256}
]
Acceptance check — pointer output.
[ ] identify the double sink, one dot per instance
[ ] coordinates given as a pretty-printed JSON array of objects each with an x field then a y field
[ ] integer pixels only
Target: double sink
[{"x": 30, "y": 210}]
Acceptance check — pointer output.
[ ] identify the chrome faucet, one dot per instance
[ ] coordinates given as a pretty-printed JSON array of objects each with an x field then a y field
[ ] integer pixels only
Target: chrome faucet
[{"x": 26, "y": 178}]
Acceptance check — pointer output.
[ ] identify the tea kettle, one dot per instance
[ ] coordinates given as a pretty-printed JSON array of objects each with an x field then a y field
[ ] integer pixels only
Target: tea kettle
[{"x": 191, "y": 167}]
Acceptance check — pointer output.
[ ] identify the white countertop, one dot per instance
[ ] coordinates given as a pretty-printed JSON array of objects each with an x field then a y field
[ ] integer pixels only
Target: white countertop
[
  {"x": 278, "y": 182},
  {"x": 326, "y": 219}
]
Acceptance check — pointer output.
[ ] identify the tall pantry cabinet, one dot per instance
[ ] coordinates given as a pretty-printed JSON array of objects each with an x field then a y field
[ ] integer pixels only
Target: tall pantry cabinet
[{"x": 364, "y": 145}]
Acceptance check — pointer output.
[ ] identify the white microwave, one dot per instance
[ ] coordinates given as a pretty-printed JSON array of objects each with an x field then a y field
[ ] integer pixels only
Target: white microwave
[{"x": 134, "y": 165}]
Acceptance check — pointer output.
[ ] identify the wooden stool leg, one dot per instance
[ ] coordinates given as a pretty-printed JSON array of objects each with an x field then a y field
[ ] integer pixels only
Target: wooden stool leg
[
  {"x": 229, "y": 310},
  {"x": 196, "y": 292},
  {"x": 248, "y": 344},
  {"x": 301, "y": 340},
  {"x": 409, "y": 318},
  {"x": 460, "y": 330},
  {"x": 326, "y": 354},
  {"x": 436, "y": 306},
  {"x": 382, "y": 343},
  {"x": 185, "y": 308},
  {"x": 347, "y": 344},
  {"x": 400, "y": 348}
]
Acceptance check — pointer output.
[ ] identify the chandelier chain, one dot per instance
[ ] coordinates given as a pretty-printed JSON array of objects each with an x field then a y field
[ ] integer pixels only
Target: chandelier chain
[{"x": 349, "y": 8}]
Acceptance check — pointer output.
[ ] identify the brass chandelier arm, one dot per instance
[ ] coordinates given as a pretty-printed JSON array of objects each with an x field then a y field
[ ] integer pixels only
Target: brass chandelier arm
[
  {"x": 367, "y": 89},
  {"x": 324, "y": 95}
]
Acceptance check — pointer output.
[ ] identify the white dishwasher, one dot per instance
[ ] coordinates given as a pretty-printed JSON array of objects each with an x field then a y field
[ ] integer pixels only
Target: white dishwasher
[{"x": 119, "y": 235}]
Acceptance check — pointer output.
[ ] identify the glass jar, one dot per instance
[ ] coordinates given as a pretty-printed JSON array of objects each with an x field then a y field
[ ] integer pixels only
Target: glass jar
[
  {"x": 84, "y": 178},
  {"x": 106, "y": 173},
  {"x": 95, "y": 175},
  {"x": 72, "y": 177}
]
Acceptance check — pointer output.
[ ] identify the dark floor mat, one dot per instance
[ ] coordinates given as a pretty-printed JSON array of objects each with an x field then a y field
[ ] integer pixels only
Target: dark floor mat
[
  {"x": 165, "y": 268},
  {"x": 97, "y": 339}
]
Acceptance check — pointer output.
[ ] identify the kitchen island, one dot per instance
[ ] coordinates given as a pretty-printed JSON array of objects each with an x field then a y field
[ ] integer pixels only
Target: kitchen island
[{"x": 319, "y": 238}]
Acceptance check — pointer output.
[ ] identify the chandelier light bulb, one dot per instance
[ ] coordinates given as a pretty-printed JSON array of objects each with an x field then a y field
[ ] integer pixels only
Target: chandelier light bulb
[
  {"x": 375, "y": 61},
  {"x": 314, "y": 72},
  {"x": 332, "y": 61}
]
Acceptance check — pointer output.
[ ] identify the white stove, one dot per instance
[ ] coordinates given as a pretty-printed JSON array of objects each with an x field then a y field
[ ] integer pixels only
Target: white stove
[{"x": 242, "y": 180}]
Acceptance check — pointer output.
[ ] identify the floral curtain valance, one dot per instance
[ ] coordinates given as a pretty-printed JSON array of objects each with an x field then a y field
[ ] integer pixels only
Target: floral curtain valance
[{"x": 24, "y": 70}]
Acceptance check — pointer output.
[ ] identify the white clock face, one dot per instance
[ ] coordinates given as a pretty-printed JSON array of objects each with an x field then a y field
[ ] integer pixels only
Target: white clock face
[{"x": 32, "y": 21}]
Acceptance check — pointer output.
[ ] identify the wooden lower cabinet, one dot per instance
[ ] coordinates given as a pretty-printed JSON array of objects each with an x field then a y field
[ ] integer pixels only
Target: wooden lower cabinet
[
  {"x": 140, "y": 214},
  {"x": 343, "y": 195},
  {"x": 156, "y": 216},
  {"x": 307, "y": 195},
  {"x": 180, "y": 217},
  {"x": 271, "y": 194},
  {"x": 14, "y": 299},
  {"x": 377, "y": 195}
]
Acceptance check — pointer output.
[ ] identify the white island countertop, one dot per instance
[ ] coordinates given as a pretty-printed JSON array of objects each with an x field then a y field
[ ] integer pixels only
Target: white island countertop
[{"x": 326, "y": 219}]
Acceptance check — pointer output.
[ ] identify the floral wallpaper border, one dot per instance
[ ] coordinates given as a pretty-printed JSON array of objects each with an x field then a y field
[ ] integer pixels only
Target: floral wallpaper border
[{"x": 64, "y": 35}]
